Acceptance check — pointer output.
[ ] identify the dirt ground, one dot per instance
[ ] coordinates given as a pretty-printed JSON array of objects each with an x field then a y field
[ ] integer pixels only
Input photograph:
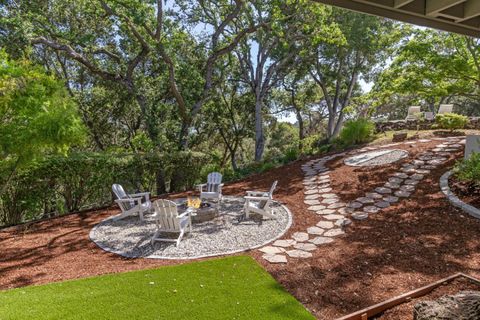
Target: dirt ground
[{"x": 408, "y": 245}]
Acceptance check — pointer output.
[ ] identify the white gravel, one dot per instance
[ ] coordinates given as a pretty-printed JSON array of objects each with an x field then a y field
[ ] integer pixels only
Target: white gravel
[{"x": 228, "y": 233}]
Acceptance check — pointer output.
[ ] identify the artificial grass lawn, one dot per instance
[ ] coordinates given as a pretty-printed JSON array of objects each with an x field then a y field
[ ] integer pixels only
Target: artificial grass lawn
[{"x": 228, "y": 288}]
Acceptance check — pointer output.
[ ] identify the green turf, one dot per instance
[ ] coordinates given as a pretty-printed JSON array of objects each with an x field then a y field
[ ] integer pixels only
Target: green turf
[{"x": 229, "y": 288}]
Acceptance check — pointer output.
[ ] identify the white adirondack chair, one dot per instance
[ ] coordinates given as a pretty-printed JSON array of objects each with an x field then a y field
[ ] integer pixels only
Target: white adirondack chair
[
  {"x": 212, "y": 190},
  {"x": 260, "y": 202},
  {"x": 131, "y": 204},
  {"x": 429, "y": 116},
  {"x": 168, "y": 220},
  {"x": 445, "y": 108},
  {"x": 413, "y": 113}
]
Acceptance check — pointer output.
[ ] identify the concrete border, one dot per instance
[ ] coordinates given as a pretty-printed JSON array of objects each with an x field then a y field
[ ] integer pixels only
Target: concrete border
[{"x": 454, "y": 200}]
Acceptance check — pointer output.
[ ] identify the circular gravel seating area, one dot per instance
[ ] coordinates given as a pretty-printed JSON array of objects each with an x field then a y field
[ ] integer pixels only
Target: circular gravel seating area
[
  {"x": 228, "y": 233},
  {"x": 376, "y": 158}
]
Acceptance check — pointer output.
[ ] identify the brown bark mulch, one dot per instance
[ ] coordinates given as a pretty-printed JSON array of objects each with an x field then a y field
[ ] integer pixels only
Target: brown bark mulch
[
  {"x": 467, "y": 191},
  {"x": 404, "y": 247}
]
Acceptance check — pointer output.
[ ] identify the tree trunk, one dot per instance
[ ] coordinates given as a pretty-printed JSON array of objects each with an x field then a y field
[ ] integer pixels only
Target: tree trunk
[
  {"x": 301, "y": 133},
  {"x": 259, "y": 137}
]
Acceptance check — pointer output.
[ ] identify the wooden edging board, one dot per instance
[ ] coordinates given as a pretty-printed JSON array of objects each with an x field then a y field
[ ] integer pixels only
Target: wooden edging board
[{"x": 366, "y": 313}]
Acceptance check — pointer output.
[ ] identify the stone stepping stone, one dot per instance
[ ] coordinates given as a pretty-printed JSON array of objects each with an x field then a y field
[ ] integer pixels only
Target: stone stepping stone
[
  {"x": 272, "y": 250},
  {"x": 326, "y": 211},
  {"x": 411, "y": 182},
  {"x": 310, "y": 173},
  {"x": 325, "y": 224},
  {"x": 390, "y": 199},
  {"x": 313, "y": 191},
  {"x": 402, "y": 194},
  {"x": 400, "y": 175},
  {"x": 382, "y": 204},
  {"x": 359, "y": 215},
  {"x": 305, "y": 246},
  {"x": 416, "y": 176},
  {"x": 408, "y": 188},
  {"x": 409, "y": 170},
  {"x": 355, "y": 205},
  {"x": 383, "y": 190},
  {"x": 311, "y": 187},
  {"x": 321, "y": 240},
  {"x": 337, "y": 205},
  {"x": 371, "y": 209},
  {"x": 333, "y": 216},
  {"x": 329, "y": 195},
  {"x": 312, "y": 202},
  {"x": 300, "y": 236},
  {"x": 315, "y": 231},
  {"x": 299, "y": 254},
  {"x": 334, "y": 233},
  {"x": 436, "y": 161},
  {"x": 373, "y": 195},
  {"x": 429, "y": 167},
  {"x": 424, "y": 140},
  {"x": 330, "y": 200},
  {"x": 316, "y": 207},
  {"x": 395, "y": 180},
  {"x": 422, "y": 171},
  {"x": 312, "y": 196},
  {"x": 364, "y": 200},
  {"x": 391, "y": 185},
  {"x": 418, "y": 162},
  {"x": 284, "y": 243},
  {"x": 438, "y": 149},
  {"x": 275, "y": 258},
  {"x": 325, "y": 190},
  {"x": 452, "y": 149},
  {"x": 343, "y": 222}
]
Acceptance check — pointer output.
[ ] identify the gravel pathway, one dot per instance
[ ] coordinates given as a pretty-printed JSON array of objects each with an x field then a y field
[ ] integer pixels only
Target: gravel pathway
[{"x": 228, "y": 233}]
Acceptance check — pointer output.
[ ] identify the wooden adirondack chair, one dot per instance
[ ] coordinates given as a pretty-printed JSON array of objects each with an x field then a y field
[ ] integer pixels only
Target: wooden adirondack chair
[
  {"x": 413, "y": 113},
  {"x": 131, "y": 204},
  {"x": 168, "y": 220},
  {"x": 260, "y": 202},
  {"x": 212, "y": 190}
]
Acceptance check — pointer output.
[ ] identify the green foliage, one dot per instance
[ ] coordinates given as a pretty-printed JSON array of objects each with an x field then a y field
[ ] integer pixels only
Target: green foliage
[
  {"x": 356, "y": 132},
  {"x": 59, "y": 184},
  {"x": 227, "y": 288},
  {"x": 36, "y": 114},
  {"x": 468, "y": 169},
  {"x": 451, "y": 121}
]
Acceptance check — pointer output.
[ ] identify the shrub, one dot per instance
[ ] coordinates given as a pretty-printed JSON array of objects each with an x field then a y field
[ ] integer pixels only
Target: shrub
[
  {"x": 468, "y": 169},
  {"x": 451, "y": 121},
  {"x": 356, "y": 132}
]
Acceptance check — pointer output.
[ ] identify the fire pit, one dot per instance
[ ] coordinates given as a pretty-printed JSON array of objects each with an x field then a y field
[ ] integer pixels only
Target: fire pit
[{"x": 204, "y": 211}]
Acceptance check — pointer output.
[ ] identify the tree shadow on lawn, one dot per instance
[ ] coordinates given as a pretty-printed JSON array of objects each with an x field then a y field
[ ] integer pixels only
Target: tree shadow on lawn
[{"x": 407, "y": 246}]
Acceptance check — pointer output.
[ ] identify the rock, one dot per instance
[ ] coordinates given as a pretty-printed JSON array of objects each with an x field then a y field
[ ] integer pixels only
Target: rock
[
  {"x": 359, "y": 215},
  {"x": 343, "y": 222},
  {"x": 355, "y": 205},
  {"x": 312, "y": 196},
  {"x": 334, "y": 232},
  {"x": 315, "y": 231},
  {"x": 364, "y": 200},
  {"x": 300, "y": 236},
  {"x": 325, "y": 224},
  {"x": 305, "y": 246},
  {"x": 321, "y": 240},
  {"x": 330, "y": 201},
  {"x": 402, "y": 194},
  {"x": 390, "y": 199},
  {"x": 284, "y": 243},
  {"x": 316, "y": 208},
  {"x": 400, "y": 175},
  {"x": 325, "y": 190},
  {"x": 382, "y": 204},
  {"x": 371, "y": 209},
  {"x": 312, "y": 191},
  {"x": 311, "y": 202},
  {"x": 373, "y": 195},
  {"x": 416, "y": 176},
  {"x": 275, "y": 258},
  {"x": 395, "y": 180},
  {"x": 383, "y": 190},
  {"x": 411, "y": 182},
  {"x": 391, "y": 185},
  {"x": 464, "y": 305},
  {"x": 408, "y": 188},
  {"x": 272, "y": 250},
  {"x": 337, "y": 205},
  {"x": 333, "y": 216},
  {"x": 329, "y": 195},
  {"x": 299, "y": 254},
  {"x": 326, "y": 211}
]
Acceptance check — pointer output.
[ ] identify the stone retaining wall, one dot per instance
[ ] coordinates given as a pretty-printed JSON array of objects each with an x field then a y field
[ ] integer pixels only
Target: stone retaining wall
[{"x": 398, "y": 125}]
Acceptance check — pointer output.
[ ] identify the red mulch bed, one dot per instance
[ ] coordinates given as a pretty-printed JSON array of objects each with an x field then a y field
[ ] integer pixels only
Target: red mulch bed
[
  {"x": 466, "y": 191},
  {"x": 404, "y": 311},
  {"x": 406, "y": 246}
]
